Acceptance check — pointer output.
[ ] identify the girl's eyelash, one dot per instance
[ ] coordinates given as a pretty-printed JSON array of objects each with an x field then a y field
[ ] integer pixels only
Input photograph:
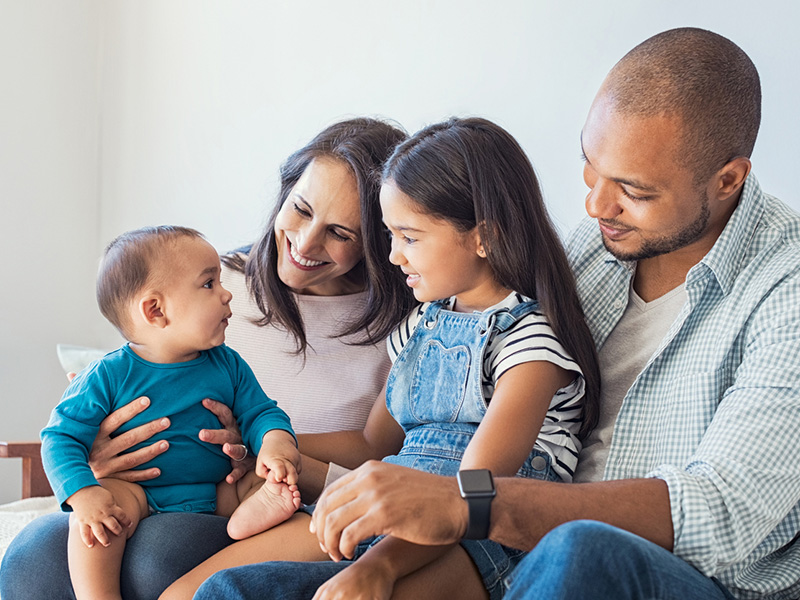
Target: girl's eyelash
[
  {"x": 405, "y": 238},
  {"x": 339, "y": 237}
]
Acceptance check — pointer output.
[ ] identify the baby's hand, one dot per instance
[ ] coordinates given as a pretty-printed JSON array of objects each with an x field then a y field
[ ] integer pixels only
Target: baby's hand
[
  {"x": 94, "y": 512},
  {"x": 279, "y": 459},
  {"x": 357, "y": 583}
]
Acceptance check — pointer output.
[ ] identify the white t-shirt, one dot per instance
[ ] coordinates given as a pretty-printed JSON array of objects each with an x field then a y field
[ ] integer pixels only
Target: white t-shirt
[
  {"x": 630, "y": 345},
  {"x": 335, "y": 385}
]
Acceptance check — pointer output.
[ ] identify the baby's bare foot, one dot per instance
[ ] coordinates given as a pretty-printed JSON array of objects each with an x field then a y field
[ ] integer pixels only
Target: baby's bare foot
[{"x": 271, "y": 504}]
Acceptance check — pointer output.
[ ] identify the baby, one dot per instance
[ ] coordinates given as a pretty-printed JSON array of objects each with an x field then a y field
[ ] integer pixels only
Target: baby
[{"x": 161, "y": 288}]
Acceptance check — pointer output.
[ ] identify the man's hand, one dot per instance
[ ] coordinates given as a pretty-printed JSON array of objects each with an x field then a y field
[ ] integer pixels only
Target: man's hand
[{"x": 381, "y": 498}]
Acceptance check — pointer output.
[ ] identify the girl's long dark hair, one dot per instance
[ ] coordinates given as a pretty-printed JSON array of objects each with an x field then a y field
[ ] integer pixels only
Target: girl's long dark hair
[
  {"x": 473, "y": 173},
  {"x": 362, "y": 144}
]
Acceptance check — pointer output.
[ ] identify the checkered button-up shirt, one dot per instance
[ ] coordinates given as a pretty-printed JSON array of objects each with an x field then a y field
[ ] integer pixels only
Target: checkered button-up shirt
[{"x": 716, "y": 411}]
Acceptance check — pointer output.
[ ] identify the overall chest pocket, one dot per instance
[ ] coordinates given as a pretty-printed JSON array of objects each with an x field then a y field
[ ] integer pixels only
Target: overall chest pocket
[{"x": 439, "y": 382}]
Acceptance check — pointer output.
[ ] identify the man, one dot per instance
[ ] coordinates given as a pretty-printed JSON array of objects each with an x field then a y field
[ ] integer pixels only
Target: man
[{"x": 690, "y": 279}]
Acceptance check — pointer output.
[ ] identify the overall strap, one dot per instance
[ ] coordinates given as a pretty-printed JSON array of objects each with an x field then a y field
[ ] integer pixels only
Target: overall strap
[
  {"x": 431, "y": 313},
  {"x": 505, "y": 318}
]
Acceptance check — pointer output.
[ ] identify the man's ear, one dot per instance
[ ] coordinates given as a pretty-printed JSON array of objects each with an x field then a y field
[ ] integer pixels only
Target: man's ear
[
  {"x": 730, "y": 178},
  {"x": 151, "y": 310}
]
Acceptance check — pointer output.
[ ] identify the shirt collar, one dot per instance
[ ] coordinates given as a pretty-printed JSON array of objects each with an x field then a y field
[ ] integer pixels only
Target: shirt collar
[{"x": 725, "y": 258}]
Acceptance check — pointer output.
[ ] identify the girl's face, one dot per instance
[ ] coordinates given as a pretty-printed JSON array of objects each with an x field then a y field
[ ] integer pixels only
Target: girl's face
[
  {"x": 318, "y": 232},
  {"x": 438, "y": 260}
]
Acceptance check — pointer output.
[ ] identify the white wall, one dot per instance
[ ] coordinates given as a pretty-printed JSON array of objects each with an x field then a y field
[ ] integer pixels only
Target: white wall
[
  {"x": 119, "y": 114},
  {"x": 49, "y": 114}
]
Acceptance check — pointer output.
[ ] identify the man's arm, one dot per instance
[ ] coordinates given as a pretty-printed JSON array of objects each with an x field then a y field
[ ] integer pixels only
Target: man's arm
[
  {"x": 380, "y": 498},
  {"x": 523, "y": 514}
]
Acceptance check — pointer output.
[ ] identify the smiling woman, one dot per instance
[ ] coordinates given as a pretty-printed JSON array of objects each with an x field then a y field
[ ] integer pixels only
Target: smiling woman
[
  {"x": 325, "y": 236},
  {"x": 317, "y": 232}
]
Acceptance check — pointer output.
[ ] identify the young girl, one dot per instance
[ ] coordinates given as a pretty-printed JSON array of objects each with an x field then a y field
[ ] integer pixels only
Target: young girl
[{"x": 495, "y": 369}]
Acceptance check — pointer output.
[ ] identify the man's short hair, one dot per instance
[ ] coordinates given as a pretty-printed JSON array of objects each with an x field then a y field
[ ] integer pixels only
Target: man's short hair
[
  {"x": 127, "y": 267},
  {"x": 704, "y": 79}
]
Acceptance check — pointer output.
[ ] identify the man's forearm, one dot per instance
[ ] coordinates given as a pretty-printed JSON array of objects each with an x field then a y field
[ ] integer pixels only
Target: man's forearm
[{"x": 524, "y": 511}]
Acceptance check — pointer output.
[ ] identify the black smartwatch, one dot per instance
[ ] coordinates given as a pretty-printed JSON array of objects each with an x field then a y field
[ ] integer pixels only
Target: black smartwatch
[{"x": 477, "y": 488}]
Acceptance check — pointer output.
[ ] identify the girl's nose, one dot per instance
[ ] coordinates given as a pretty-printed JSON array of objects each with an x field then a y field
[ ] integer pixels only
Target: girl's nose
[{"x": 395, "y": 256}]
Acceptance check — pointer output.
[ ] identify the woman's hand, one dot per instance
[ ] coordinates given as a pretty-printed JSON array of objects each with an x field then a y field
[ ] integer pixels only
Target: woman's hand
[
  {"x": 106, "y": 458},
  {"x": 230, "y": 438}
]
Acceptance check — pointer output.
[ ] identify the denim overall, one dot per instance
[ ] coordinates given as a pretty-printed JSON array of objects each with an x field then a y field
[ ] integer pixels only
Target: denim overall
[{"x": 434, "y": 392}]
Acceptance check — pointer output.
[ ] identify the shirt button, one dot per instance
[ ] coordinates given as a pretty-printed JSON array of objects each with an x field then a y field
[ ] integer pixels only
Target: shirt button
[
  {"x": 617, "y": 304},
  {"x": 187, "y": 507}
]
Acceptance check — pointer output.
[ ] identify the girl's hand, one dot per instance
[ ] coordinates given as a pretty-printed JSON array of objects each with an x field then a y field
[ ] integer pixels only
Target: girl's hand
[
  {"x": 106, "y": 458},
  {"x": 357, "y": 583},
  {"x": 96, "y": 513},
  {"x": 230, "y": 438}
]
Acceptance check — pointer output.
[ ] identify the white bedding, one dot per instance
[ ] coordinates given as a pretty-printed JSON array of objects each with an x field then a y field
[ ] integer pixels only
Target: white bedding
[{"x": 15, "y": 515}]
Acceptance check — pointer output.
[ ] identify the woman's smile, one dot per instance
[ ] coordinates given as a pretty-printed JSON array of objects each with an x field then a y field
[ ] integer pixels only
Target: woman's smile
[{"x": 300, "y": 261}]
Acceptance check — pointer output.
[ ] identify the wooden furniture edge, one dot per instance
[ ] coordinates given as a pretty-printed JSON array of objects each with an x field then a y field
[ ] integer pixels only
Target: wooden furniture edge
[{"x": 34, "y": 481}]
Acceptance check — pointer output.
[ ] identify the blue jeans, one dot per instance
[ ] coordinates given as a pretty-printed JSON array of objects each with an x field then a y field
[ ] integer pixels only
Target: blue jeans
[
  {"x": 270, "y": 580},
  {"x": 582, "y": 559},
  {"x": 587, "y": 559},
  {"x": 164, "y": 547}
]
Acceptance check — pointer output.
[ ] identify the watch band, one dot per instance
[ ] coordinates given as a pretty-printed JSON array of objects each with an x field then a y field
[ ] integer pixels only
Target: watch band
[
  {"x": 479, "y": 514},
  {"x": 477, "y": 488}
]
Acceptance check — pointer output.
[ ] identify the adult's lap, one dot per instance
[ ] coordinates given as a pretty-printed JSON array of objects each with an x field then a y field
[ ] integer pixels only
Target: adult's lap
[{"x": 164, "y": 547}]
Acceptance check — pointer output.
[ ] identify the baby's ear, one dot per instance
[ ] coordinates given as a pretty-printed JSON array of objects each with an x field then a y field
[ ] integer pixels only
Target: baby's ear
[{"x": 151, "y": 310}]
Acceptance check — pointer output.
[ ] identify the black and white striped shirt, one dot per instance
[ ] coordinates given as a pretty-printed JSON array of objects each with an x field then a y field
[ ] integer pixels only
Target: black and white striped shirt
[{"x": 530, "y": 339}]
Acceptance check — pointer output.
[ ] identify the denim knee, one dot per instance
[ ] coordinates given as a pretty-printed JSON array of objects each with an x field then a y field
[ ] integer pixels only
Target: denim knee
[
  {"x": 577, "y": 539},
  {"x": 584, "y": 559},
  {"x": 566, "y": 552}
]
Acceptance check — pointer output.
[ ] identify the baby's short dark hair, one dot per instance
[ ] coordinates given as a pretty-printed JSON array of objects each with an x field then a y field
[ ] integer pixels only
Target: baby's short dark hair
[{"x": 127, "y": 266}]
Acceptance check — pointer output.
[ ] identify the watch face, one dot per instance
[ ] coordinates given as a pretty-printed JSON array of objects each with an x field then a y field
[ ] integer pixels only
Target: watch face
[{"x": 476, "y": 481}]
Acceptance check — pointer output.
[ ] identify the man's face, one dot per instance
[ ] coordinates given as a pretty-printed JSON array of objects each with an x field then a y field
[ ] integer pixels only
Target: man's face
[{"x": 645, "y": 203}]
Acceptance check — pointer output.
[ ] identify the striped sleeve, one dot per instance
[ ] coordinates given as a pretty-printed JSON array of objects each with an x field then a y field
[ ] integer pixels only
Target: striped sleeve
[
  {"x": 399, "y": 337},
  {"x": 531, "y": 339}
]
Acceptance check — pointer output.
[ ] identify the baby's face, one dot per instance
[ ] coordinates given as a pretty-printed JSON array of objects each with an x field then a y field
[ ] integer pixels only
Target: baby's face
[{"x": 195, "y": 303}]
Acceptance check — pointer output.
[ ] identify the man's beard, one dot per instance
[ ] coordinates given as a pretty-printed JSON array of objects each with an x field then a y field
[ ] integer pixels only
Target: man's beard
[{"x": 664, "y": 245}]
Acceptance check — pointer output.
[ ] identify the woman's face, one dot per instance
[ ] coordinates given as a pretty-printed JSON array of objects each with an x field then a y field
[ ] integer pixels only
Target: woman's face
[{"x": 318, "y": 232}]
